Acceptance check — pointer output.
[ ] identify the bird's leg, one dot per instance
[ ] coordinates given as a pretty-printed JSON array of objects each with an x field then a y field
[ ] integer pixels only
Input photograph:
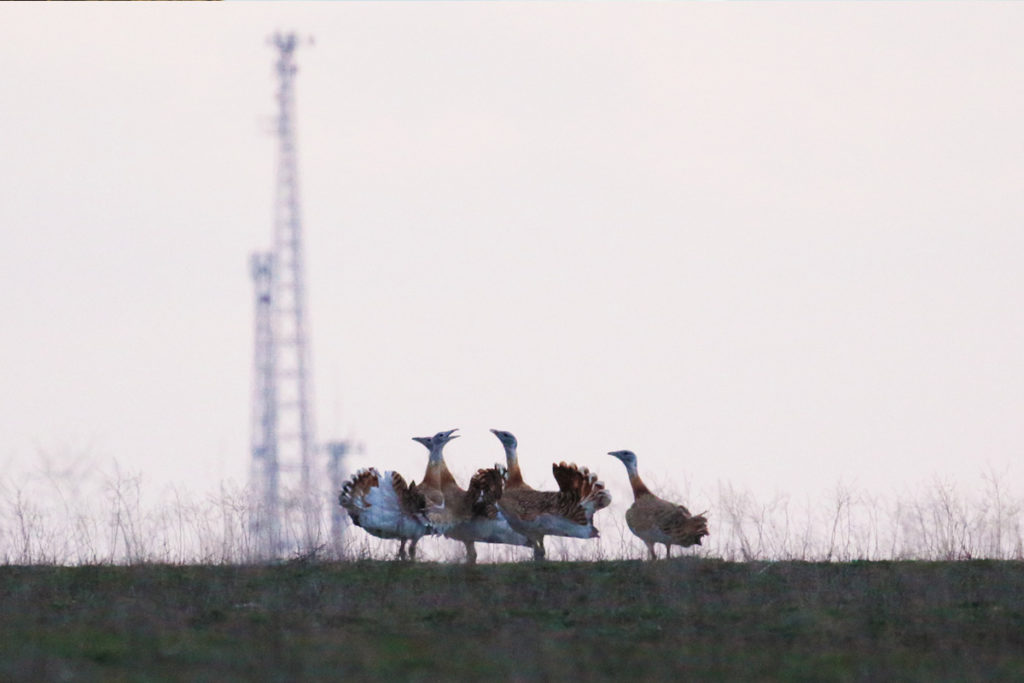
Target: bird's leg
[
  {"x": 538, "y": 549},
  {"x": 650, "y": 550},
  {"x": 668, "y": 551},
  {"x": 401, "y": 550},
  {"x": 470, "y": 552},
  {"x": 412, "y": 550}
]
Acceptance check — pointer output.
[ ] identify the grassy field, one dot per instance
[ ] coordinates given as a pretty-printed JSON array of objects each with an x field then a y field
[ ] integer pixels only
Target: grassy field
[{"x": 682, "y": 618}]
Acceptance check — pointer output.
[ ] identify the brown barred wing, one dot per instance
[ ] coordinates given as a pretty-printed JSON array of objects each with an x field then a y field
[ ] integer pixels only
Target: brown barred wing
[
  {"x": 354, "y": 492},
  {"x": 485, "y": 489},
  {"x": 683, "y": 528},
  {"x": 583, "y": 486}
]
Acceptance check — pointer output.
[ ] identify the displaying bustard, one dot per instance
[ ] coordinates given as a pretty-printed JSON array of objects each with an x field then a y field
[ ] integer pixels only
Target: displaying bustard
[
  {"x": 536, "y": 514},
  {"x": 469, "y": 516},
  {"x": 385, "y": 506},
  {"x": 655, "y": 520}
]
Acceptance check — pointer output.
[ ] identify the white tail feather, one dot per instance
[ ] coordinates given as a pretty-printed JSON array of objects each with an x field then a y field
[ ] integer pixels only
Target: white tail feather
[{"x": 382, "y": 514}]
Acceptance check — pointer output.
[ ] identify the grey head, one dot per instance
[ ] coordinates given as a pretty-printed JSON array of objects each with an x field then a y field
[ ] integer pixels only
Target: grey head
[
  {"x": 506, "y": 438},
  {"x": 437, "y": 440},
  {"x": 444, "y": 437},
  {"x": 628, "y": 458}
]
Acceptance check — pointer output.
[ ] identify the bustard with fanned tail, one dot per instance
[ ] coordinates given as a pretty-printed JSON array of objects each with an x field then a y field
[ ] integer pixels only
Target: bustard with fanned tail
[
  {"x": 385, "y": 506},
  {"x": 569, "y": 511},
  {"x": 466, "y": 515}
]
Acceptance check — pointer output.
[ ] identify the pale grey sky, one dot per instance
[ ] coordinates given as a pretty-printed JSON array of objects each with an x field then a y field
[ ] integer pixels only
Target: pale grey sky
[{"x": 774, "y": 245}]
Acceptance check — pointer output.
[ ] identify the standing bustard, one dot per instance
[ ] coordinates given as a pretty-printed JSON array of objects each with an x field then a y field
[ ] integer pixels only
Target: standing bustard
[
  {"x": 469, "y": 516},
  {"x": 655, "y": 520},
  {"x": 536, "y": 514},
  {"x": 385, "y": 506}
]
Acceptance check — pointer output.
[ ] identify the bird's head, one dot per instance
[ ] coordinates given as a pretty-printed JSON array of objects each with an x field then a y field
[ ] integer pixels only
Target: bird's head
[
  {"x": 436, "y": 444},
  {"x": 506, "y": 438},
  {"x": 628, "y": 458},
  {"x": 441, "y": 438}
]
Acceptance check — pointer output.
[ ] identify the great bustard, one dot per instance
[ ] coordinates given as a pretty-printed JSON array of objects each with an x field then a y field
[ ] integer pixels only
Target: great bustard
[
  {"x": 655, "y": 520},
  {"x": 469, "y": 516},
  {"x": 536, "y": 514},
  {"x": 385, "y": 506}
]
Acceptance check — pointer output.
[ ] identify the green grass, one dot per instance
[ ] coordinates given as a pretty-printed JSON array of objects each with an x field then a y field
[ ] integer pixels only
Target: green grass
[{"x": 684, "y": 618}]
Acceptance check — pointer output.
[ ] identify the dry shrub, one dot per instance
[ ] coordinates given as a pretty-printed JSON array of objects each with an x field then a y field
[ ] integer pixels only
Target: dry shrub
[{"x": 85, "y": 515}]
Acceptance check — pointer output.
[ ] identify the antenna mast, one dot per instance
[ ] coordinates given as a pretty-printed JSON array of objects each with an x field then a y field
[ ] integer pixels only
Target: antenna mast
[
  {"x": 292, "y": 506},
  {"x": 265, "y": 470}
]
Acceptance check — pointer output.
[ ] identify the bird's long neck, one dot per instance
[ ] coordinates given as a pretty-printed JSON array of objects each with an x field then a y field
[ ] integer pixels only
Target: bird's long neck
[
  {"x": 437, "y": 474},
  {"x": 639, "y": 487},
  {"x": 515, "y": 476}
]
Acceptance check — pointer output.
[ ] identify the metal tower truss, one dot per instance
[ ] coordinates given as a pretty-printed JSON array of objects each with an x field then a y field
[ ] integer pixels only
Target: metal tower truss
[
  {"x": 265, "y": 529},
  {"x": 287, "y": 482}
]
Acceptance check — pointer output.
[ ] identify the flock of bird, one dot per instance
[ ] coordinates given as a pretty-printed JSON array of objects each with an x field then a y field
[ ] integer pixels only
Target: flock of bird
[{"x": 500, "y": 507}]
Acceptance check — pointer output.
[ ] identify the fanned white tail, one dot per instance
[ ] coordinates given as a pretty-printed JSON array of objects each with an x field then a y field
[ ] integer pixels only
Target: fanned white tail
[{"x": 383, "y": 505}]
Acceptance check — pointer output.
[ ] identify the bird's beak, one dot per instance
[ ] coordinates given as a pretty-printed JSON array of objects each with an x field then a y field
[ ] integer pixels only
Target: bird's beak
[{"x": 494, "y": 431}]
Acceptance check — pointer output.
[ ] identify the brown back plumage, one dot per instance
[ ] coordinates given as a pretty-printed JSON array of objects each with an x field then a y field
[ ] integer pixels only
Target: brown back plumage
[
  {"x": 413, "y": 500},
  {"x": 579, "y": 495},
  {"x": 529, "y": 504},
  {"x": 485, "y": 488},
  {"x": 651, "y": 513},
  {"x": 684, "y": 529}
]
